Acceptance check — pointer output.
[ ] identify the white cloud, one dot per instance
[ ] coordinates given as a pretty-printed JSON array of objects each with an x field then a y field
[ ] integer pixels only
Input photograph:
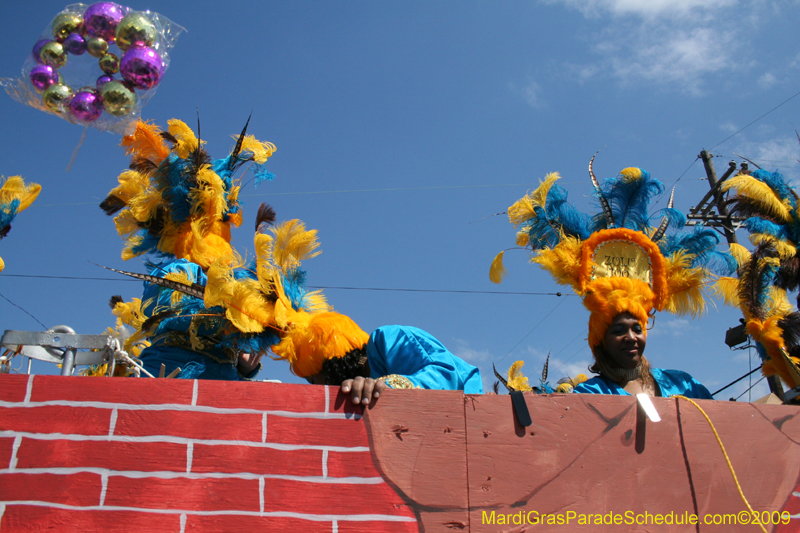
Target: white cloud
[
  {"x": 469, "y": 354},
  {"x": 767, "y": 80},
  {"x": 781, "y": 153},
  {"x": 680, "y": 44},
  {"x": 681, "y": 57},
  {"x": 531, "y": 93},
  {"x": 675, "y": 327},
  {"x": 645, "y": 8}
]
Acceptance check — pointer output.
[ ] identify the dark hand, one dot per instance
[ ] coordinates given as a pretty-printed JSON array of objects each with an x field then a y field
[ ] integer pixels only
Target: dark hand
[
  {"x": 363, "y": 389},
  {"x": 247, "y": 363}
]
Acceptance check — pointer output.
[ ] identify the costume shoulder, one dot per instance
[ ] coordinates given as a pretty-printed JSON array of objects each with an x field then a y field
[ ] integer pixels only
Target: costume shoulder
[
  {"x": 674, "y": 382},
  {"x": 597, "y": 385},
  {"x": 417, "y": 355}
]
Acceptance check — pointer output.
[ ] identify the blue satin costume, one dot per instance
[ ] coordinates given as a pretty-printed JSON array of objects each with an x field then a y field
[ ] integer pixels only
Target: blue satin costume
[
  {"x": 420, "y": 357},
  {"x": 671, "y": 382},
  {"x": 212, "y": 359}
]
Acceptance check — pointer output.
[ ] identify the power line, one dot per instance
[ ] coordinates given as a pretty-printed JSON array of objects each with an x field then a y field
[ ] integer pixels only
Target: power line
[
  {"x": 24, "y": 311},
  {"x": 756, "y": 120},
  {"x": 314, "y": 286}
]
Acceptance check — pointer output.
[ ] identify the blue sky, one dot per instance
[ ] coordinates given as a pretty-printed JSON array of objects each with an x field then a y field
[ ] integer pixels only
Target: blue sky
[{"x": 400, "y": 128}]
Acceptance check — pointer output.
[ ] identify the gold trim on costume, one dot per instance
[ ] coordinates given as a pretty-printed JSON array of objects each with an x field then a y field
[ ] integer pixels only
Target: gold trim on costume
[{"x": 397, "y": 381}]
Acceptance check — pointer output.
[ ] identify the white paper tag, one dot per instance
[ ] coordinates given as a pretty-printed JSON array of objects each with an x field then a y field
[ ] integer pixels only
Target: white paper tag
[{"x": 649, "y": 408}]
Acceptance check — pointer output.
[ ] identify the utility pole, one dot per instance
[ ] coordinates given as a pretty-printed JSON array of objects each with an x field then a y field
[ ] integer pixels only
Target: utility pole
[{"x": 703, "y": 213}]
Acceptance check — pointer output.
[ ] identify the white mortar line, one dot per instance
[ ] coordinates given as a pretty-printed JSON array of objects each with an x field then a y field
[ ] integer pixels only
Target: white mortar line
[
  {"x": 2, "y": 510},
  {"x": 104, "y": 481},
  {"x": 189, "y": 456},
  {"x": 180, "y": 440},
  {"x": 324, "y": 463},
  {"x": 112, "y": 425},
  {"x": 135, "y": 474},
  {"x": 273, "y": 514},
  {"x": 264, "y": 428},
  {"x": 12, "y": 463},
  {"x": 183, "y": 522},
  {"x": 179, "y": 407},
  {"x": 194, "y": 393},
  {"x": 335, "y": 527},
  {"x": 261, "y": 495},
  {"x": 28, "y": 389},
  {"x": 327, "y": 399}
]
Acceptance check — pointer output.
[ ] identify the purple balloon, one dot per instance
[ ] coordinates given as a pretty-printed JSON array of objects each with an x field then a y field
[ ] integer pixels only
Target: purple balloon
[
  {"x": 86, "y": 105},
  {"x": 100, "y": 20},
  {"x": 142, "y": 67},
  {"x": 102, "y": 80},
  {"x": 37, "y": 50},
  {"x": 75, "y": 44},
  {"x": 43, "y": 76}
]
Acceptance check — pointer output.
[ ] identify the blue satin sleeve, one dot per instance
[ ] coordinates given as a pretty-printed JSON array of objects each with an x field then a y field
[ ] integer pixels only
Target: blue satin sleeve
[
  {"x": 671, "y": 383},
  {"x": 419, "y": 356}
]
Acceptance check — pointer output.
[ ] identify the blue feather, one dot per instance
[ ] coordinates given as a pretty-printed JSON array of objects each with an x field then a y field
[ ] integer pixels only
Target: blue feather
[
  {"x": 630, "y": 199},
  {"x": 760, "y": 225},
  {"x": 675, "y": 218},
  {"x": 7, "y": 213},
  {"x": 262, "y": 174},
  {"x": 559, "y": 211}
]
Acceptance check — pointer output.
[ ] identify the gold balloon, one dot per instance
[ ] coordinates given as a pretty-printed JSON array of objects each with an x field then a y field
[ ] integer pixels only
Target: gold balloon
[
  {"x": 66, "y": 23},
  {"x": 136, "y": 29},
  {"x": 109, "y": 64},
  {"x": 53, "y": 54},
  {"x": 118, "y": 99},
  {"x": 96, "y": 47},
  {"x": 57, "y": 97}
]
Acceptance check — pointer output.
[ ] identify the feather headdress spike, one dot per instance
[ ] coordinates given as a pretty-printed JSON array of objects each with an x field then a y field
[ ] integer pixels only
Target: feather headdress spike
[
  {"x": 662, "y": 228},
  {"x": 599, "y": 191}
]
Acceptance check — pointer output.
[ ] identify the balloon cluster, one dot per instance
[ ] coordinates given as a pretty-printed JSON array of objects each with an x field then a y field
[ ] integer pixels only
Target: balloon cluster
[{"x": 130, "y": 48}]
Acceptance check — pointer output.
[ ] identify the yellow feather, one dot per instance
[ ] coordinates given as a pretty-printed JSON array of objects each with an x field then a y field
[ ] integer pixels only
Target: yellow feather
[
  {"x": 144, "y": 206},
  {"x": 740, "y": 253},
  {"x": 563, "y": 261},
  {"x": 784, "y": 248},
  {"x": 2, "y": 264},
  {"x": 293, "y": 244},
  {"x": 497, "y": 271},
  {"x": 522, "y": 238},
  {"x": 631, "y": 173},
  {"x": 760, "y": 192},
  {"x": 208, "y": 198},
  {"x": 126, "y": 224},
  {"x": 14, "y": 188},
  {"x": 187, "y": 141},
  {"x": 131, "y": 184},
  {"x": 260, "y": 150},
  {"x": 727, "y": 289},
  {"x": 777, "y": 303},
  {"x": 516, "y": 381},
  {"x": 684, "y": 285},
  {"x": 523, "y": 209}
]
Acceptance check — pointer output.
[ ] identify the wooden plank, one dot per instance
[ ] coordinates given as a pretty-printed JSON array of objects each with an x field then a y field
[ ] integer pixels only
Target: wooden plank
[{"x": 418, "y": 441}]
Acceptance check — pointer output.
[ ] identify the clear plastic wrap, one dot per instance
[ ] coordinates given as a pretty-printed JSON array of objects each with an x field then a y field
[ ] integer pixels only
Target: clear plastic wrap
[{"x": 96, "y": 65}]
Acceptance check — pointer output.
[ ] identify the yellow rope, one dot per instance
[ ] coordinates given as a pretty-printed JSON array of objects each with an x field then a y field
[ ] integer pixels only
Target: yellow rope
[{"x": 727, "y": 460}]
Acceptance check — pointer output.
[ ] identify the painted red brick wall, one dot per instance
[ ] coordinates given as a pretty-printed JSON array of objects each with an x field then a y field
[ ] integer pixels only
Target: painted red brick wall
[{"x": 113, "y": 454}]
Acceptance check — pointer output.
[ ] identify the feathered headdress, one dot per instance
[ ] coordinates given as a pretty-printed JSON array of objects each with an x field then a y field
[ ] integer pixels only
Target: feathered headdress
[
  {"x": 616, "y": 260},
  {"x": 769, "y": 271},
  {"x": 15, "y": 196},
  {"x": 174, "y": 200}
]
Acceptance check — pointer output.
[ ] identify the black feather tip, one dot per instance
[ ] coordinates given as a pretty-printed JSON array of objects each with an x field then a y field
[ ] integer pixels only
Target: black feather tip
[
  {"x": 111, "y": 205},
  {"x": 116, "y": 299},
  {"x": 155, "y": 319},
  {"x": 265, "y": 217}
]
